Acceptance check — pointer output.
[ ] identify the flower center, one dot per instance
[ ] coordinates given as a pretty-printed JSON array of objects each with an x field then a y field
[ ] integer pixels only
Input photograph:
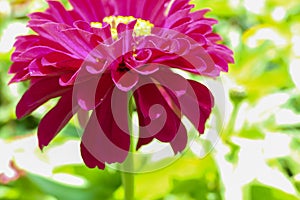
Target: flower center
[{"x": 141, "y": 28}]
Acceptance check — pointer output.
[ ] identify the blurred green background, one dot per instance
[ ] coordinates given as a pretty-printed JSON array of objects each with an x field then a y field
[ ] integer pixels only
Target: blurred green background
[{"x": 256, "y": 158}]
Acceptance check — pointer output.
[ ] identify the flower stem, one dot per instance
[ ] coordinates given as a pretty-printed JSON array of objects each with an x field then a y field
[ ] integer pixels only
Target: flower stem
[
  {"x": 128, "y": 184},
  {"x": 127, "y": 174}
]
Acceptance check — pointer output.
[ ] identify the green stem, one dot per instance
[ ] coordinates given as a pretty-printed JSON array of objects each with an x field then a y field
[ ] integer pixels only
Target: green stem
[
  {"x": 128, "y": 184},
  {"x": 127, "y": 176},
  {"x": 229, "y": 131}
]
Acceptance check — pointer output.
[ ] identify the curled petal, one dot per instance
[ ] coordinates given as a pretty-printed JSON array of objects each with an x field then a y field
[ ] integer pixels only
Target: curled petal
[{"x": 156, "y": 118}]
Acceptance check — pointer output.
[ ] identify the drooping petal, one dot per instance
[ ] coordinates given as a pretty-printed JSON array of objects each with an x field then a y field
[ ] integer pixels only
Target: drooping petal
[
  {"x": 180, "y": 140},
  {"x": 197, "y": 104},
  {"x": 52, "y": 123},
  {"x": 92, "y": 92},
  {"x": 172, "y": 81},
  {"x": 106, "y": 136},
  {"x": 156, "y": 118},
  {"x": 89, "y": 159},
  {"x": 39, "y": 93}
]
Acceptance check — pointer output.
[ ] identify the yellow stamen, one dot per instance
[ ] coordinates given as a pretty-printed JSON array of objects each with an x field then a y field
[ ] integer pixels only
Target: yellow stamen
[
  {"x": 96, "y": 24},
  {"x": 141, "y": 28}
]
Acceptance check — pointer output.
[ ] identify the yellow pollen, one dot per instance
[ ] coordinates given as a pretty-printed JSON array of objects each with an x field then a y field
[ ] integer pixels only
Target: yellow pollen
[
  {"x": 141, "y": 28},
  {"x": 96, "y": 24}
]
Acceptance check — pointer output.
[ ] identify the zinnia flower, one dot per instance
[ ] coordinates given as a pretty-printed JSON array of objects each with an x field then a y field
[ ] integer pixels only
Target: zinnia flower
[{"x": 97, "y": 53}]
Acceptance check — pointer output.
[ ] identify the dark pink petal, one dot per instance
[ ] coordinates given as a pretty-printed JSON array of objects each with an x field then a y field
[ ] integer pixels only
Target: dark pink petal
[
  {"x": 83, "y": 25},
  {"x": 56, "y": 60},
  {"x": 83, "y": 117},
  {"x": 145, "y": 9},
  {"x": 60, "y": 14},
  {"x": 26, "y": 43},
  {"x": 68, "y": 78},
  {"x": 172, "y": 81},
  {"x": 199, "y": 14},
  {"x": 92, "y": 10},
  {"x": 37, "y": 94},
  {"x": 155, "y": 121},
  {"x": 125, "y": 81},
  {"x": 220, "y": 62},
  {"x": 39, "y": 16},
  {"x": 20, "y": 76},
  {"x": 89, "y": 159},
  {"x": 197, "y": 103},
  {"x": 140, "y": 62},
  {"x": 32, "y": 53},
  {"x": 92, "y": 92},
  {"x": 126, "y": 27},
  {"x": 180, "y": 140},
  {"x": 37, "y": 69},
  {"x": 106, "y": 136},
  {"x": 56, "y": 119},
  {"x": 147, "y": 69},
  {"x": 144, "y": 141},
  {"x": 178, "y": 5},
  {"x": 200, "y": 28},
  {"x": 78, "y": 42},
  {"x": 213, "y": 37},
  {"x": 17, "y": 67}
]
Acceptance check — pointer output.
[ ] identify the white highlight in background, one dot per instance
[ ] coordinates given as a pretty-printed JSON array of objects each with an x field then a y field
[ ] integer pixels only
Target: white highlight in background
[
  {"x": 255, "y": 6},
  {"x": 295, "y": 71},
  {"x": 9, "y": 35},
  {"x": 266, "y": 34},
  {"x": 279, "y": 13}
]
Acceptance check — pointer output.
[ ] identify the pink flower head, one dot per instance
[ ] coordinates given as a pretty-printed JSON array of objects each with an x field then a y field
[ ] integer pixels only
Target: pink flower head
[{"x": 97, "y": 53}]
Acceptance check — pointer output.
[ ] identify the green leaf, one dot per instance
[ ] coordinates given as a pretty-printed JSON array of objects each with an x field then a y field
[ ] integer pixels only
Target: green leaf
[
  {"x": 100, "y": 184},
  {"x": 166, "y": 181},
  {"x": 251, "y": 132},
  {"x": 258, "y": 191}
]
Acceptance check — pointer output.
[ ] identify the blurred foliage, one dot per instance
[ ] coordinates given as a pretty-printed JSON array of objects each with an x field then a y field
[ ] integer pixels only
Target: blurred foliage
[{"x": 258, "y": 156}]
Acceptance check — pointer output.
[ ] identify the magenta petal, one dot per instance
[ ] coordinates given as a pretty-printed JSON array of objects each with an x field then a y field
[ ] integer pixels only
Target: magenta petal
[
  {"x": 143, "y": 141},
  {"x": 197, "y": 96},
  {"x": 178, "y": 5},
  {"x": 32, "y": 53},
  {"x": 179, "y": 142},
  {"x": 55, "y": 119},
  {"x": 89, "y": 159},
  {"x": 20, "y": 76},
  {"x": 106, "y": 136},
  {"x": 174, "y": 82},
  {"x": 155, "y": 122},
  {"x": 83, "y": 117},
  {"x": 59, "y": 13},
  {"x": 37, "y": 94},
  {"x": 17, "y": 67},
  {"x": 92, "y": 10},
  {"x": 147, "y": 69},
  {"x": 125, "y": 81},
  {"x": 68, "y": 78},
  {"x": 91, "y": 93}
]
